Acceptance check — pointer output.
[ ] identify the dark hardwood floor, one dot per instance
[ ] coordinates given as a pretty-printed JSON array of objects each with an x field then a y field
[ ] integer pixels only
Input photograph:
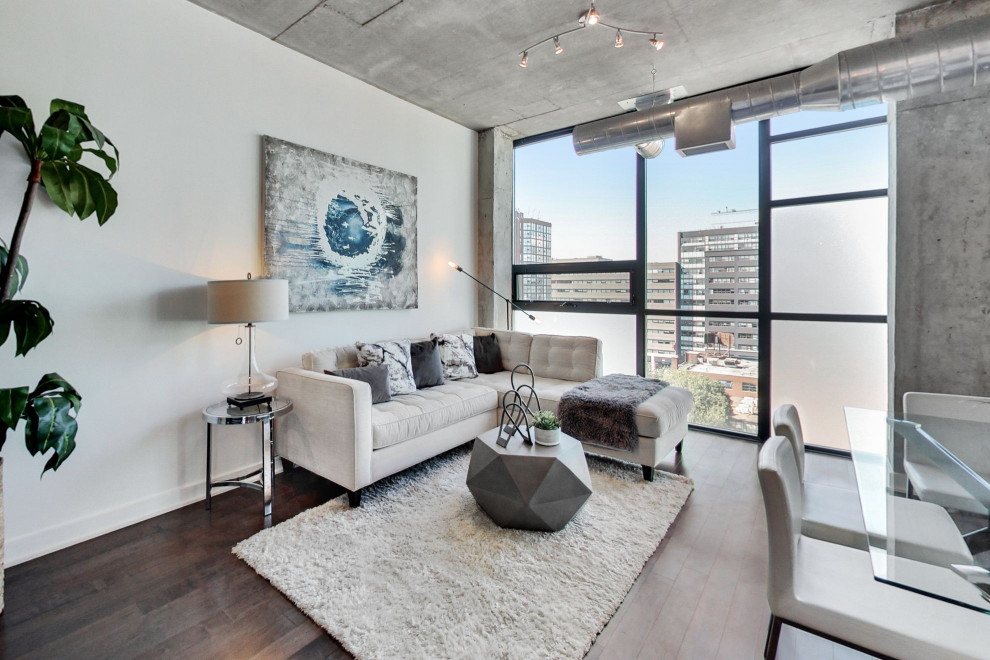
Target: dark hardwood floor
[{"x": 170, "y": 586}]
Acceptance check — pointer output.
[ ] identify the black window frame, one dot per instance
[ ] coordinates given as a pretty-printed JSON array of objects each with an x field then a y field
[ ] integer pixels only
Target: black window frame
[{"x": 637, "y": 269}]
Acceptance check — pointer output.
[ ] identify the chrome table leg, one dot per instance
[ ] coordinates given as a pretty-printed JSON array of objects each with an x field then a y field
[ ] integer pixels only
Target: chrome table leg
[
  {"x": 209, "y": 458},
  {"x": 267, "y": 464}
]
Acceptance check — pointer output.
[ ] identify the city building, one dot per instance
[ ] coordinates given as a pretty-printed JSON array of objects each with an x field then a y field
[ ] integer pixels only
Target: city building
[
  {"x": 663, "y": 281},
  {"x": 720, "y": 272},
  {"x": 531, "y": 245},
  {"x": 589, "y": 287}
]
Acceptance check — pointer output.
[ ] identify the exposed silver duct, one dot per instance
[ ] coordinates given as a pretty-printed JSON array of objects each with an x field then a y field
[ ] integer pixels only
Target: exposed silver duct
[{"x": 940, "y": 60}]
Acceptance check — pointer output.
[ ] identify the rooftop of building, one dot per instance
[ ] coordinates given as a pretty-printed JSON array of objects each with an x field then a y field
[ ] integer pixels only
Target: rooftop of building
[{"x": 744, "y": 368}]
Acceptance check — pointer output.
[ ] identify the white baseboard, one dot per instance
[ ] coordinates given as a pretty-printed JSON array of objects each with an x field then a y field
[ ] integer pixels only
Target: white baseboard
[{"x": 36, "y": 544}]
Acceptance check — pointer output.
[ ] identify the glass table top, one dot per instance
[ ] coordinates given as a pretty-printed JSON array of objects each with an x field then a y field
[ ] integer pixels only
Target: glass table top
[
  {"x": 222, "y": 413},
  {"x": 923, "y": 543}
]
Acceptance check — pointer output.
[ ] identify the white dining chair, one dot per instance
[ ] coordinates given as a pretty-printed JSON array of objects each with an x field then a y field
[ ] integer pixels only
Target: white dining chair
[
  {"x": 829, "y": 589},
  {"x": 925, "y": 531},
  {"x": 926, "y": 480}
]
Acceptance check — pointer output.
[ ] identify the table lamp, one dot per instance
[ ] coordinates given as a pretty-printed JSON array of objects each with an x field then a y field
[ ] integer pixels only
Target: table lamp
[
  {"x": 508, "y": 303},
  {"x": 248, "y": 302}
]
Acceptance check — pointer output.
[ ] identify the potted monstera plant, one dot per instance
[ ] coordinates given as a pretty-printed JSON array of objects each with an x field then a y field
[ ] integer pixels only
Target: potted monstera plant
[{"x": 55, "y": 153}]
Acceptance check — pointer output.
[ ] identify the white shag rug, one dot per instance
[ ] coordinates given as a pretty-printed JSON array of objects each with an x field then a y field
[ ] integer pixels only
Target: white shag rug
[{"x": 420, "y": 571}]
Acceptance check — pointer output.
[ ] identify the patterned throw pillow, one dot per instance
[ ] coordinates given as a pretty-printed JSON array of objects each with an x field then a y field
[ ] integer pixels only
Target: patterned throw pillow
[
  {"x": 394, "y": 355},
  {"x": 457, "y": 355}
]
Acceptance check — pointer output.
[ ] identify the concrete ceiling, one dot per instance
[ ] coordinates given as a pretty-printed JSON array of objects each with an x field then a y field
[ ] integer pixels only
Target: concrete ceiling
[{"x": 460, "y": 58}]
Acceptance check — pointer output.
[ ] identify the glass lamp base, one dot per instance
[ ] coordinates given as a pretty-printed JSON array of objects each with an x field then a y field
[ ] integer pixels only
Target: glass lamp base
[{"x": 252, "y": 382}]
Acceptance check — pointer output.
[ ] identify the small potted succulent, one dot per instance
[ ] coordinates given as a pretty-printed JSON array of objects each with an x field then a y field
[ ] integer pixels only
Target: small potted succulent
[{"x": 547, "y": 427}]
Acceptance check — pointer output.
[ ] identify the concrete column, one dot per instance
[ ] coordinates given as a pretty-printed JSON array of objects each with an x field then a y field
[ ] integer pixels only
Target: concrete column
[
  {"x": 941, "y": 301},
  {"x": 494, "y": 257}
]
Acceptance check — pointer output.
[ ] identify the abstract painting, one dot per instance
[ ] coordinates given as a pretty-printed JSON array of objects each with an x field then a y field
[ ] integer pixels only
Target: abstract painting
[{"x": 343, "y": 233}]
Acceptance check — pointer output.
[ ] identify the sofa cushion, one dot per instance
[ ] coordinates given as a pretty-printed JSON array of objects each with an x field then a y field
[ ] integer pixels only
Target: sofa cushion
[
  {"x": 514, "y": 346},
  {"x": 397, "y": 357},
  {"x": 426, "y": 365},
  {"x": 376, "y": 376},
  {"x": 487, "y": 356},
  {"x": 457, "y": 355},
  {"x": 548, "y": 389},
  {"x": 331, "y": 359},
  {"x": 654, "y": 417},
  {"x": 409, "y": 416},
  {"x": 566, "y": 358}
]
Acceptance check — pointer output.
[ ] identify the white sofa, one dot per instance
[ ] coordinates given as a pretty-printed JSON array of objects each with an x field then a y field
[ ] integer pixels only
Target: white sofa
[{"x": 336, "y": 432}]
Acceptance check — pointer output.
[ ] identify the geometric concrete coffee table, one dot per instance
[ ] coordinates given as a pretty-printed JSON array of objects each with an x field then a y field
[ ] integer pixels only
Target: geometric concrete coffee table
[{"x": 526, "y": 486}]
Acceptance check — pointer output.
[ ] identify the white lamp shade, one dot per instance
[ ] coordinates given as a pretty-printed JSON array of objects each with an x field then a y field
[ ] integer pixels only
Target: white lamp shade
[{"x": 247, "y": 301}]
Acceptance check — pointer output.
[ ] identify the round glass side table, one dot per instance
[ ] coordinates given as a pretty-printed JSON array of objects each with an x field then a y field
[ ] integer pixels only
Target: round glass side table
[{"x": 266, "y": 414}]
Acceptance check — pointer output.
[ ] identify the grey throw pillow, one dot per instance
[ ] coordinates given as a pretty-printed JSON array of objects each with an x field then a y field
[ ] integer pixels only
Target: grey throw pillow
[
  {"x": 457, "y": 355},
  {"x": 487, "y": 355},
  {"x": 376, "y": 376},
  {"x": 426, "y": 364},
  {"x": 394, "y": 355}
]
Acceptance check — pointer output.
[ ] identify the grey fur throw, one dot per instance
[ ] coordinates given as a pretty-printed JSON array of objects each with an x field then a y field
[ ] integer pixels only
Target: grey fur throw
[{"x": 603, "y": 410}]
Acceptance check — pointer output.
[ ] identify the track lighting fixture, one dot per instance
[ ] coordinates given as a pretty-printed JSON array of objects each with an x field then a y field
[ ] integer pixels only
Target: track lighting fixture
[
  {"x": 593, "y": 17},
  {"x": 588, "y": 18}
]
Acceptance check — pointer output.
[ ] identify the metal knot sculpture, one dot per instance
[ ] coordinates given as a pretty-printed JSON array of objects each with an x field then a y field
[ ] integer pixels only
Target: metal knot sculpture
[{"x": 517, "y": 411}]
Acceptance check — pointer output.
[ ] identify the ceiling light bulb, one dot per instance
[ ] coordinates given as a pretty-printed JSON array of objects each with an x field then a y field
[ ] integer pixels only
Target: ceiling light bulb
[
  {"x": 557, "y": 48},
  {"x": 525, "y": 59},
  {"x": 619, "y": 43},
  {"x": 656, "y": 43},
  {"x": 593, "y": 16}
]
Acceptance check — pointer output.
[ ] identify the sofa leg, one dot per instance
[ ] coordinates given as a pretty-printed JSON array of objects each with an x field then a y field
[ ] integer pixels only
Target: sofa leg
[
  {"x": 773, "y": 636},
  {"x": 287, "y": 466},
  {"x": 648, "y": 472},
  {"x": 680, "y": 447},
  {"x": 354, "y": 498}
]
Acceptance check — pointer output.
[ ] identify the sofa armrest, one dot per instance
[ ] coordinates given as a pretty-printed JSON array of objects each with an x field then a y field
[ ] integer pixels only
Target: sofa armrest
[{"x": 329, "y": 431}]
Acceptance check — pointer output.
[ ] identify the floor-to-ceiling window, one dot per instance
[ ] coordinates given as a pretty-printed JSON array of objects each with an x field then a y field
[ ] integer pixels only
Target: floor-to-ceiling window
[
  {"x": 702, "y": 232},
  {"x": 574, "y": 229},
  {"x": 827, "y": 212},
  {"x": 753, "y": 276}
]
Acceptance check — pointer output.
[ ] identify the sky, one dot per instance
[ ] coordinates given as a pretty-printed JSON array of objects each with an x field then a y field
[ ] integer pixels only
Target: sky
[{"x": 592, "y": 204}]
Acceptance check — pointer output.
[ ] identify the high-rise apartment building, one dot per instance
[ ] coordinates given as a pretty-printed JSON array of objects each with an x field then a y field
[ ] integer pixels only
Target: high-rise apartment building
[
  {"x": 531, "y": 245},
  {"x": 663, "y": 283},
  {"x": 720, "y": 271}
]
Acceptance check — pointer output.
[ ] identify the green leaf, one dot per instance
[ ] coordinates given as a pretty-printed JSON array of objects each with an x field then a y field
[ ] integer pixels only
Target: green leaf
[
  {"x": 19, "y": 122},
  {"x": 12, "y": 102},
  {"x": 68, "y": 106},
  {"x": 31, "y": 321},
  {"x": 76, "y": 189},
  {"x": 13, "y": 400},
  {"x": 51, "y": 423},
  {"x": 20, "y": 270},
  {"x": 80, "y": 196},
  {"x": 72, "y": 117},
  {"x": 55, "y": 179},
  {"x": 53, "y": 382},
  {"x": 57, "y": 143},
  {"x": 103, "y": 194},
  {"x": 108, "y": 160}
]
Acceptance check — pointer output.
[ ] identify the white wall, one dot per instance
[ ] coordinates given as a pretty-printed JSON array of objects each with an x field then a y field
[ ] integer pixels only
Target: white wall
[{"x": 186, "y": 96}]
